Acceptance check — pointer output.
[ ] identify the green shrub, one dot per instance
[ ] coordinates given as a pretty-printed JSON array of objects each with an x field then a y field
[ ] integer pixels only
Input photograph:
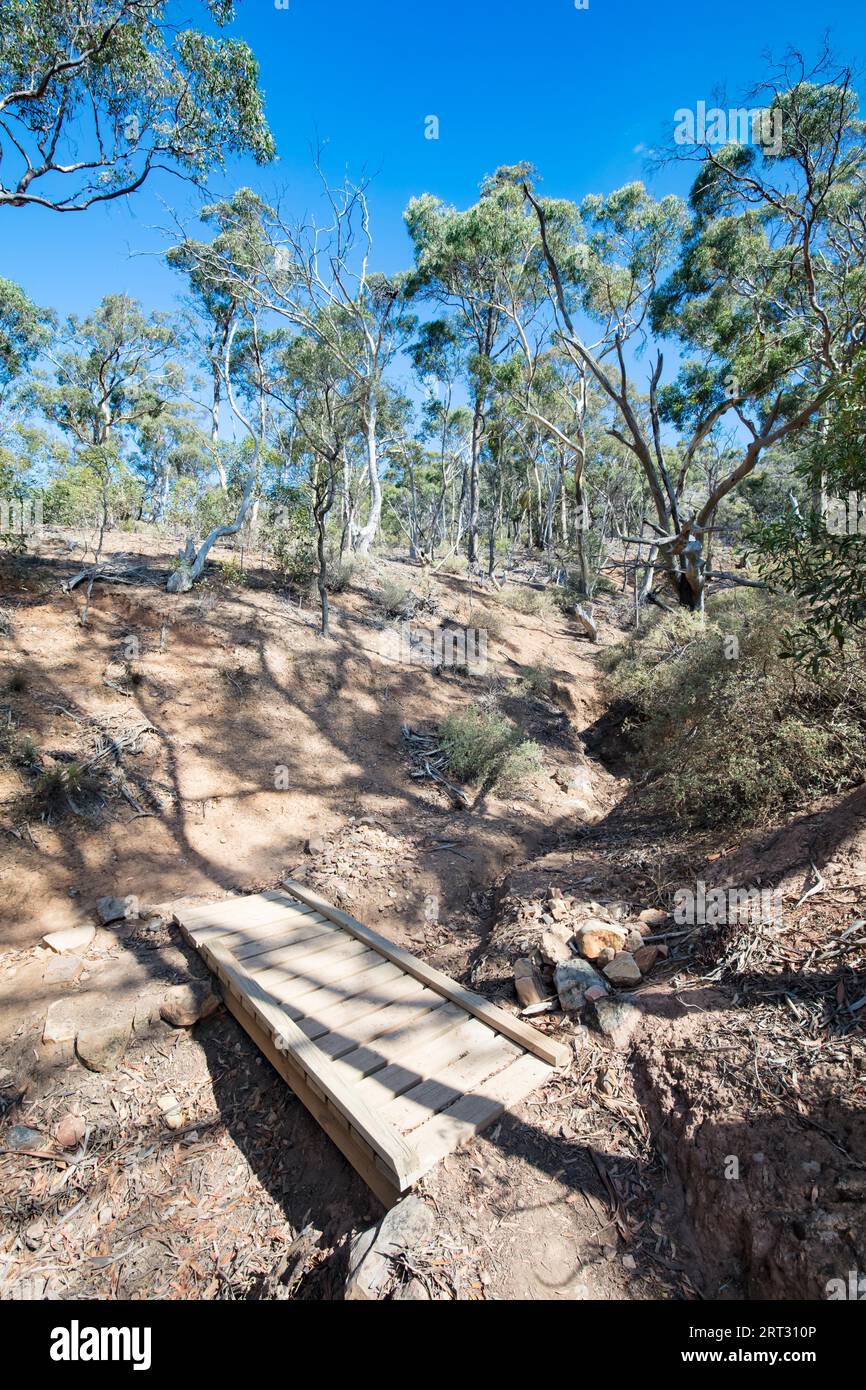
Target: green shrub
[
  {"x": 231, "y": 572},
  {"x": 453, "y": 564},
  {"x": 537, "y": 680},
  {"x": 340, "y": 574},
  {"x": 733, "y": 732},
  {"x": 395, "y": 599},
  {"x": 536, "y": 603},
  {"x": 488, "y": 750}
]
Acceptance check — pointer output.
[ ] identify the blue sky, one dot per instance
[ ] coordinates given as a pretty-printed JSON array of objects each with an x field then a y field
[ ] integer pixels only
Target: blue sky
[{"x": 576, "y": 92}]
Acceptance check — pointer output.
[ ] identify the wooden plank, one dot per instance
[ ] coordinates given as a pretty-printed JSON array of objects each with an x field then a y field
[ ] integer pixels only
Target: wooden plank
[
  {"x": 443, "y": 1133},
  {"x": 273, "y": 935},
  {"x": 438, "y": 1092},
  {"x": 415, "y": 1064},
  {"x": 353, "y": 1148},
  {"x": 288, "y": 1038},
  {"x": 329, "y": 940},
  {"x": 231, "y": 918},
  {"x": 555, "y": 1053},
  {"x": 372, "y": 980},
  {"x": 380, "y": 1019},
  {"x": 372, "y": 1056}
]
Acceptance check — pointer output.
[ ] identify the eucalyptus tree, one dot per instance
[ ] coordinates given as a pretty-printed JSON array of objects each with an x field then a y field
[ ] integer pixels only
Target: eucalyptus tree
[
  {"x": 761, "y": 281},
  {"x": 95, "y": 95},
  {"x": 313, "y": 384},
  {"x": 171, "y": 446},
  {"x": 483, "y": 264},
  {"x": 437, "y": 359},
  {"x": 233, "y": 271},
  {"x": 317, "y": 279},
  {"x": 110, "y": 373}
]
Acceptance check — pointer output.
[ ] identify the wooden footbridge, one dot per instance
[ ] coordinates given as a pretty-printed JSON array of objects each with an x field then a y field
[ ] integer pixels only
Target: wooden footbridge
[{"x": 398, "y": 1063}]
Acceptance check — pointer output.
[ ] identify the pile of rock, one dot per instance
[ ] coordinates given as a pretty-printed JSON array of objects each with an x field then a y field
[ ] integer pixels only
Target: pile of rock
[{"x": 587, "y": 952}]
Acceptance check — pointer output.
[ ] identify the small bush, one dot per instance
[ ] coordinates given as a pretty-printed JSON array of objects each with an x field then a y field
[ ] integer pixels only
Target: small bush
[
  {"x": 54, "y": 789},
  {"x": 537, "y": 680},
  {"x": 25, "y": 753},
  {"x": 231, "y": 572},
  {"x": 733, "y": 732},
  {"x": 454, "y": 564},
  {"x": 395, "y": 599},
  {"x": 535, "y": 603},
  {"x": 340, "y": 574},
  {"x": 488, "y": 750}
]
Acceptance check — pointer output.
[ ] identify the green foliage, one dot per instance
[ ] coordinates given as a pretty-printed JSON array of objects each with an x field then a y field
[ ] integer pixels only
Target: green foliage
[
  {"x": 536, "y": 603},
  {"x": 232, "y": 572},
  {"x": 122, "y": 89},
  {"x": 489, "y": 751},
  {"x": 394, "y": 598},
  {"x": 738, "y": 739},
  {"x": 537, "y": 680}
]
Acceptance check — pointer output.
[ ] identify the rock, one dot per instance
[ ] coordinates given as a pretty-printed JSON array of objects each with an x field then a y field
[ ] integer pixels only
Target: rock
[
  {"x": 60, "y": 1022},
  {"x": 117, "y": 909},
  {"x": 70, "y": 1131},
  {"x": 171, "y": 1111},
  {"x": 645, "y": 958},
  {"x": 315, "y": 845},
  {"x": 595, "y": 992},
  {"x": 100, "y": 1049},
  {"x": 184, "y": 1005},
  {"x": 35, "y": 1234},
  {"x": 604, "y": 958},
  {"x": 558, "y": 909},
  {"x": 528, "y": 983},
  {"x": 633, "y": 940},
  {"x": 572, "y": 979},
  {"x": 409, "y": 1225},
  {"x": 554, "y": 946},
  {"x": 23, "y": 1137},
  {"x": 595, "y": 936},
  {"x": 617, "y": 1019},
  {"x": 622, "y": 970},
  {"x": 70, "y": 939},
  {"x": 63, "y": 970},
  {"x": 653, "y": 916}
]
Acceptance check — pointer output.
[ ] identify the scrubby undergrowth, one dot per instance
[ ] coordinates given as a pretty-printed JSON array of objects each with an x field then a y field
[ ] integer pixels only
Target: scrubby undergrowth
[{"x": 728, "y": 730}]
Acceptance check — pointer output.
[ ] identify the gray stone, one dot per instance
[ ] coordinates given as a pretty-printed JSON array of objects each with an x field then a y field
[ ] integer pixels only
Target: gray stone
[
  {"x": 528, "y": 983},
  {"x": 117, "y": 909},
  {"x": 315, "y": 845},
  {"x": 63, "y": 970},
  {"x": 617, "y": 1019},
  {"x": 554, "y": 944},
  {"x": 100, "y": 1049},
  {"x": 410, "y": 1225},
  {"x": 23, "y": 1137},
  {"x": 623, "y": 970},
  {"x": 572, "y": 979},
  {"x": 184, "y": 1005},
  {"x": 60, "y": 1022}
]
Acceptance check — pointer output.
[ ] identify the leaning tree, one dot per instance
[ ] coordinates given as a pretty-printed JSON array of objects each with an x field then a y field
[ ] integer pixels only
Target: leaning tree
[{"x": 761, "y": 281}]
